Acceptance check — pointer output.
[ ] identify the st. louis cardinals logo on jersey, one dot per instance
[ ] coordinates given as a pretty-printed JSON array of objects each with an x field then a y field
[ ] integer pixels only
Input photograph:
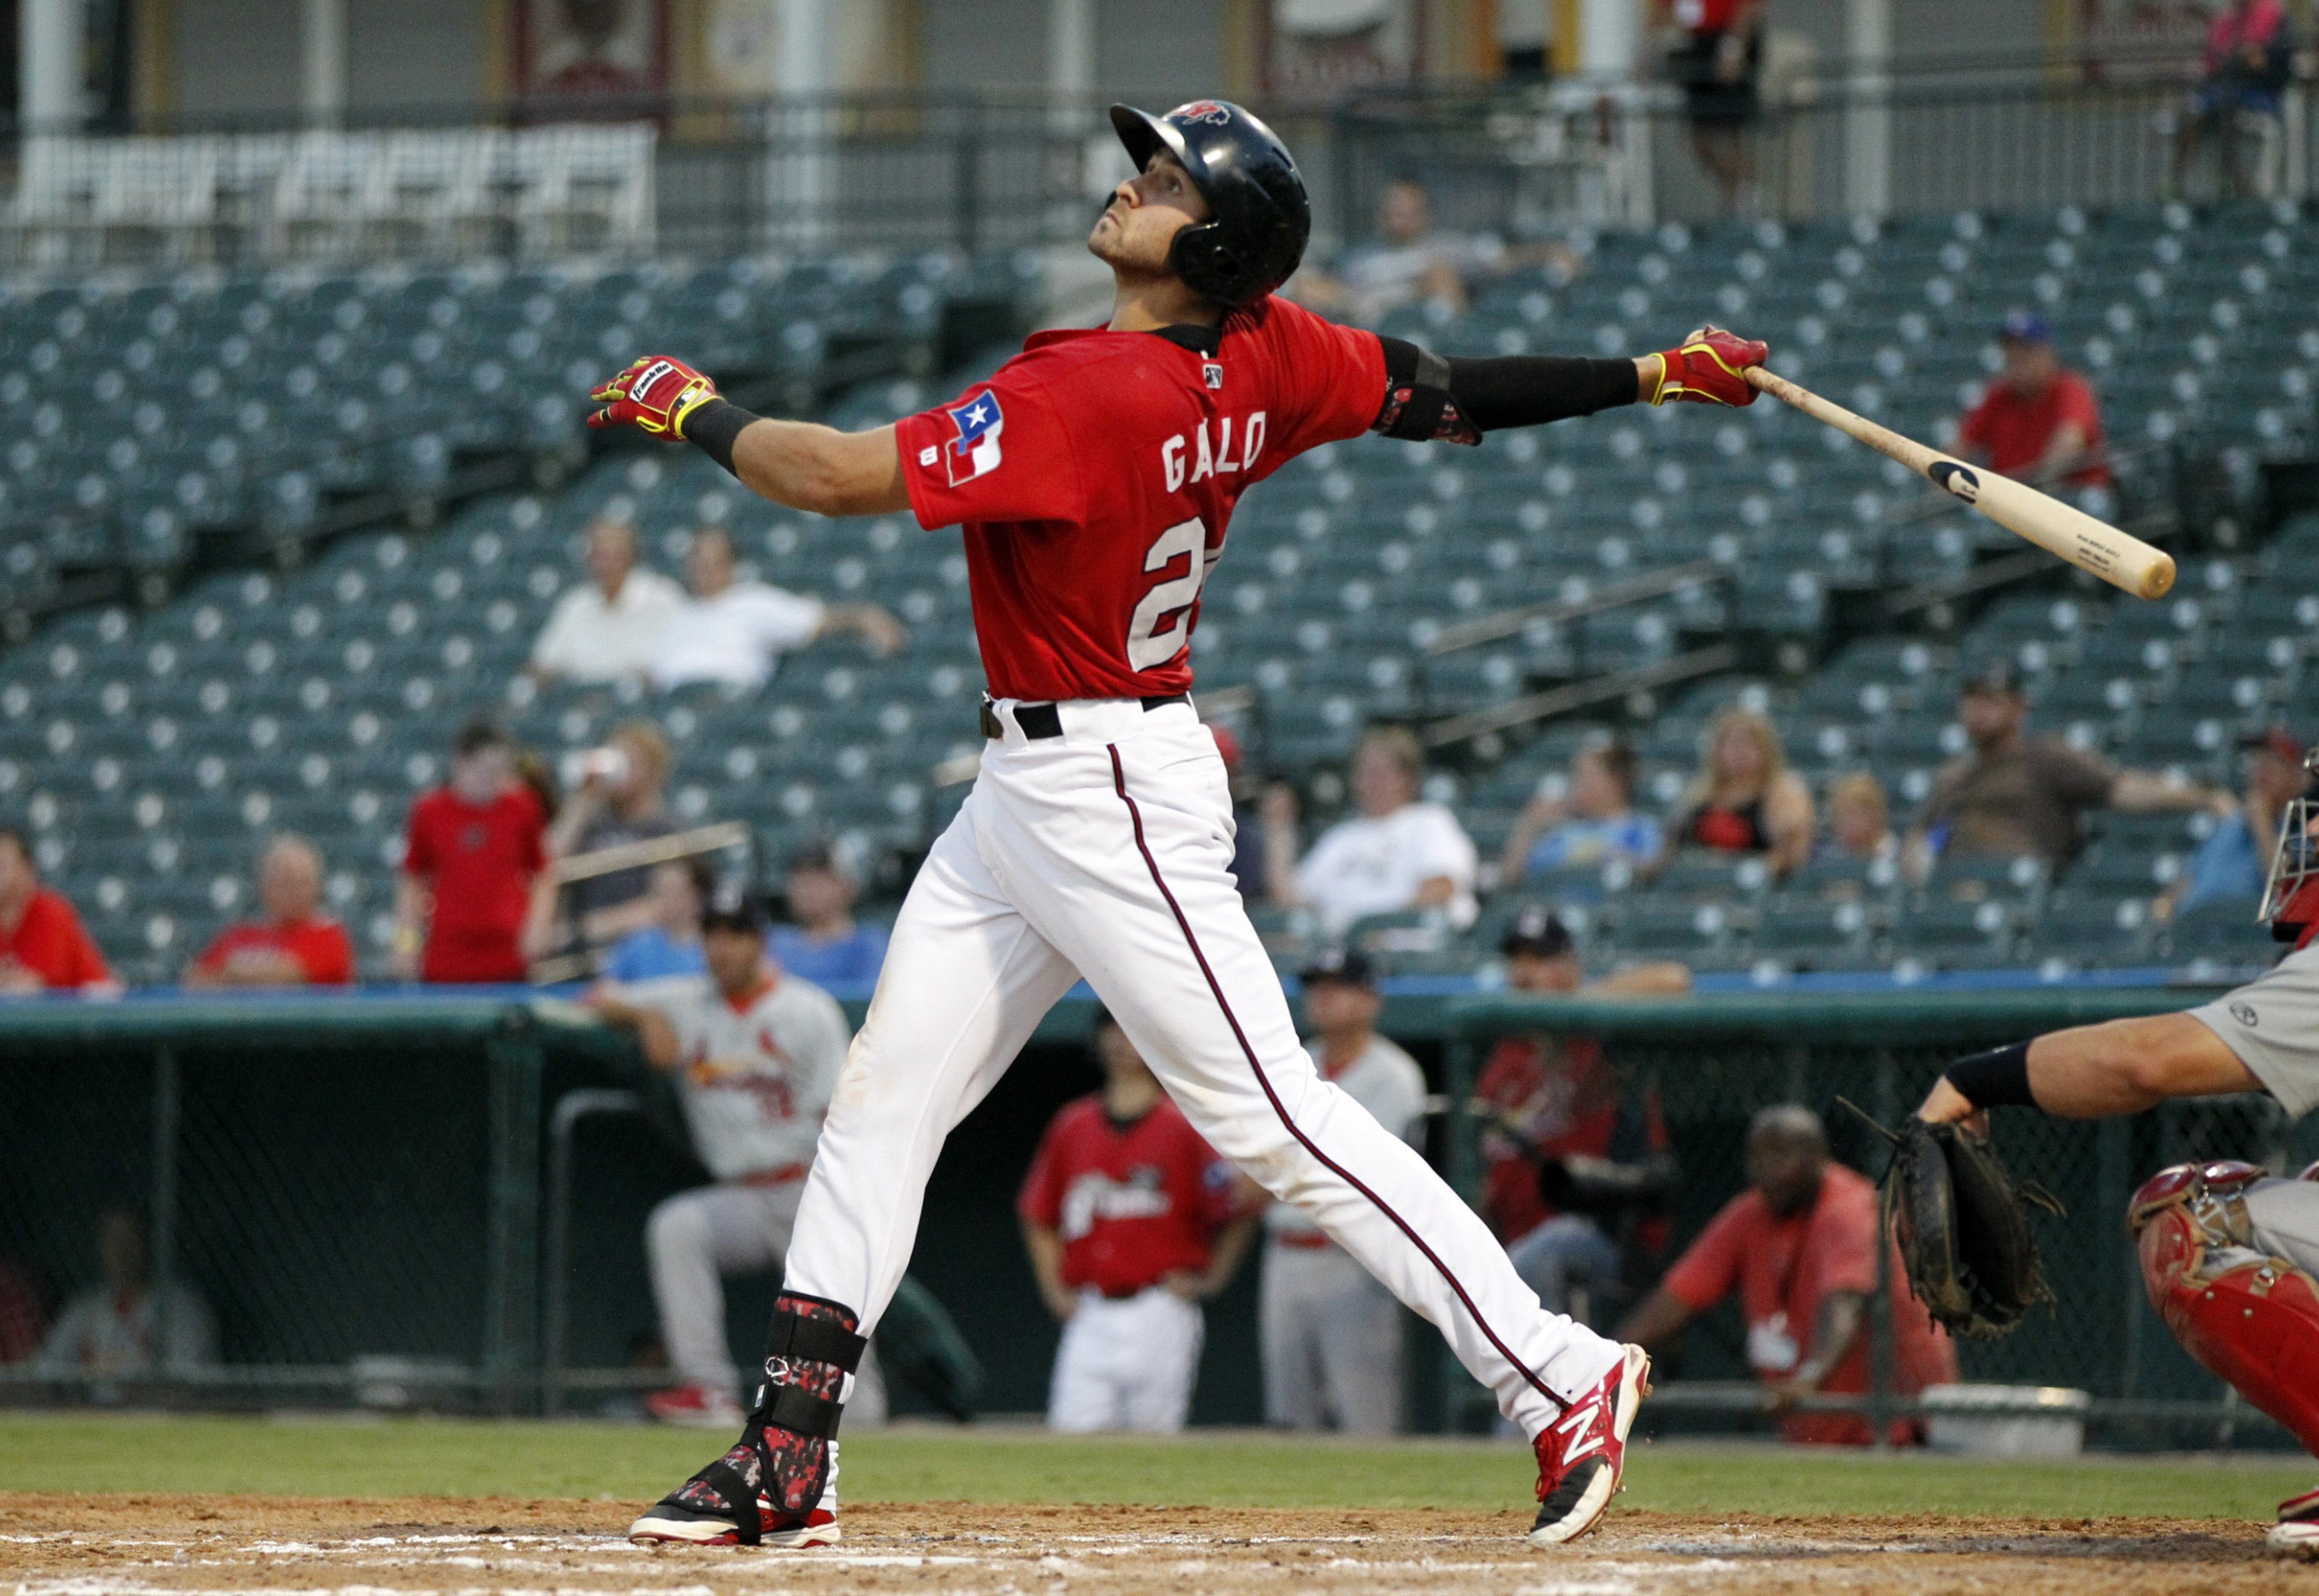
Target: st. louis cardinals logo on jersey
[{"x": 974, "y": 451}]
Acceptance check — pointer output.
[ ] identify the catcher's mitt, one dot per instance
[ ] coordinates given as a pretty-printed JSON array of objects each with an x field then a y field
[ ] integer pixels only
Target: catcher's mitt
[{"x": 1961, "y": 1224}]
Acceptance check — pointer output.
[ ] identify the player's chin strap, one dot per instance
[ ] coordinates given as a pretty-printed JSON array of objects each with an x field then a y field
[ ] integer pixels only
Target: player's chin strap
[{"x": 784, "y": 1454}]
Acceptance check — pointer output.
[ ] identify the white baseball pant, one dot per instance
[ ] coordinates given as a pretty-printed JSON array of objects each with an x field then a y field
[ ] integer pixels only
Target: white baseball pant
[
  {"x": 1105, "y": 852},
  {"x": 1126, "y": 1363},
  {"x": 696, "y": 1238},
  {"x": 1332, "y": 1340}
]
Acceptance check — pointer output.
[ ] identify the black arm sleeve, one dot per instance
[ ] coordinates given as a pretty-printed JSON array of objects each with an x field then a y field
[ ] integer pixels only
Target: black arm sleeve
[
  {"x": 714, "y": 427},
  {"x": 1429, "y": 397}
]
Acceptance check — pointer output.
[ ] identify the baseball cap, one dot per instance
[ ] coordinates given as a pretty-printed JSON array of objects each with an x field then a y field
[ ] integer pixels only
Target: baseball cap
[
  {"x": 2025, "y": 327},
  {"x": 1346, "y": 966},
  {"x": 1538, "y": 931},
  {"x": 2278, "y": 741},
  {"x": 734, "y": 906},
  {"x": 817, "y": 856}
]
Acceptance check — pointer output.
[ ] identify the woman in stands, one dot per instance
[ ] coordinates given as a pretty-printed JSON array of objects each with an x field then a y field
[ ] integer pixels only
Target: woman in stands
[{"x": 1745, "y": 800}]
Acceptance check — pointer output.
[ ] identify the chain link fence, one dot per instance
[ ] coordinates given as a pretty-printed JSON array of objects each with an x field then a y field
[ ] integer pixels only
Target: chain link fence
[{"x": 1716, "y": 1060}]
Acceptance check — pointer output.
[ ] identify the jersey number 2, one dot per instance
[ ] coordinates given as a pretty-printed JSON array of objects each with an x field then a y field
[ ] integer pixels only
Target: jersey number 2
[{"x": 1149, "y": 642}]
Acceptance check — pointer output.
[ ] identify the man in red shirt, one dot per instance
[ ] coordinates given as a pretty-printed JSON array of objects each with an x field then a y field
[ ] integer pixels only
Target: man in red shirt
[
  {"x": 2038, "y": 421},
  {"x": 1094, "y": 477},
  {"x": 42, "y": 945},
  {"x": 1131, "y": 1222},
  {"x": 1576, "y": 1158},
  {"x": 1799, "y": 1249},
  {"x": 293, "y": 945},
  {"x": 476, "y": 856}
]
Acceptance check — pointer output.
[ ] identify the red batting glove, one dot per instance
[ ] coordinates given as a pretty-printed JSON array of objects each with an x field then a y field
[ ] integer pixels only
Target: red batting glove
[
  {"x": 1707, "y": 369},
  {"x": 654, "y": 395}
]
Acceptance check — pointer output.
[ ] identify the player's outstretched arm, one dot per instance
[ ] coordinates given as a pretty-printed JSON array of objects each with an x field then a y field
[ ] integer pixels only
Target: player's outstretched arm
[
  {"x": 800, "y": 464},
  {"x": 2091, "y": 1072},
  {"x": 1456, "y": 401}
]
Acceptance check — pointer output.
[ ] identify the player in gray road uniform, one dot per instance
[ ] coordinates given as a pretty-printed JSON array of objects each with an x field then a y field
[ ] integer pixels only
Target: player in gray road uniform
[{"x": 2230, "y": 1254}]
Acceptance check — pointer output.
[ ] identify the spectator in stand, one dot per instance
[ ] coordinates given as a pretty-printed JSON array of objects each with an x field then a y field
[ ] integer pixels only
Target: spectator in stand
[
  {"x": 671, "y": 945},
  {"x": 1132, "y": 1221},
  {"x": 1859, "y": 819},
  {"x": 2038, "y": 421},
  {"x": 473, "y": 885},
  {"x": 1330, "y": 1332},
  {"x": 296, "y": 944},
  {"x": 23, "y": 1323},
  {"x": 616, "y": 800},
  {"x": 735, "y": 632},
  {"x": 43, "y": 947},
  {"x": 1591, "y": 822},
  {"x": 1799, "y": 1247},
  {"x": 826, "y": 945},
  {"x": 1745, "y": 800},
  {"x": 2249, "y": 61},
  {"x": 1576, "y": 1160},
  {"x": 1408, "y": 259},
  {"x": 1718, "y": 61},
  {"x": 2233, "y": 865},
  {"x": 604, "y": 630},
  {"x": 1399, "y": 852},
  {"x": 2015, "y": 796},
  {"x": 129, "y": 1327}
]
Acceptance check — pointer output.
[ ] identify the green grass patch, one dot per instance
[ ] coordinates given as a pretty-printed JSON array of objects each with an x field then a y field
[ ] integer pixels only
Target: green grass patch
[{"x": 460, "y": 1458}]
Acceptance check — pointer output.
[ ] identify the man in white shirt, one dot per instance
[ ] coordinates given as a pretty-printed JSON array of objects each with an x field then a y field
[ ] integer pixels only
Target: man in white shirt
[
  {"x": 606, "y": 630},
  {"x": 1330, "y": 1333},
  {"x": 1397, "y": 853},
  {"x": 756, "y": 1055},
  {"x": 732, "y": 632}
]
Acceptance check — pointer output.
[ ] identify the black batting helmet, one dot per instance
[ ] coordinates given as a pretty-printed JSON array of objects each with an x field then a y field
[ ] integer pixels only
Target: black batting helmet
[{"x": 1259, "y": 215}]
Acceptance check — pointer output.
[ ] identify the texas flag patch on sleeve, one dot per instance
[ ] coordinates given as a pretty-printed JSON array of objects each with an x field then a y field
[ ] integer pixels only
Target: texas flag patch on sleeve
[{"x": 974, "y": 451}]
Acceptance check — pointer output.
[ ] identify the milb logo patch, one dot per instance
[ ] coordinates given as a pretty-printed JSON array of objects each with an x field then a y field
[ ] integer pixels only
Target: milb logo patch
[{"x": 974, "y": 451}]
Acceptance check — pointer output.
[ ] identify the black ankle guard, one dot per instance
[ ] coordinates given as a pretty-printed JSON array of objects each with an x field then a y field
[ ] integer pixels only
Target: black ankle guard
[{"x": 792, "y": 1340}]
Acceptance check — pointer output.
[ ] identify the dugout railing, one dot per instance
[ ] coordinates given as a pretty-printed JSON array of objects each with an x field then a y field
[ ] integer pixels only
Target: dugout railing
[{"x": 1713, "y": 1059}]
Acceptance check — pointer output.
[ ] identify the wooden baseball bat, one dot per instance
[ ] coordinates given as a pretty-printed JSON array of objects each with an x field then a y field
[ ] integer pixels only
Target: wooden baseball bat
[{"x": 2118, "y": 558}]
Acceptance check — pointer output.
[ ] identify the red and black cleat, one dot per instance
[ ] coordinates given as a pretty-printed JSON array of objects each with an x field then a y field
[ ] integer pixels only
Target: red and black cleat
[
  {"x": 777, "y": 1485},
  {"x": 1582, "y": 1456},
  {"x": 2296, "y": 1533}
]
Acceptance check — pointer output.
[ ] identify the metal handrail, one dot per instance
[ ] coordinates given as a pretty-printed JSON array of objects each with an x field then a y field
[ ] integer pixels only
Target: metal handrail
[
  {"x": 570, "y": 1110},
  {"x": 1632, "y": 590}
]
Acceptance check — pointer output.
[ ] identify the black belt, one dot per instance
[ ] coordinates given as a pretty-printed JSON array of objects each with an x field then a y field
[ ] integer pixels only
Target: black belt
[{"x": 1045, "y": 720}]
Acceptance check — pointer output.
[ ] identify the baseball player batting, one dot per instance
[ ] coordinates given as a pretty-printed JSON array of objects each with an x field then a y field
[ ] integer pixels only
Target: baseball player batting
[
  {"x": 1095, "y": 476},
  {"x": 2230, "y": 1254}
]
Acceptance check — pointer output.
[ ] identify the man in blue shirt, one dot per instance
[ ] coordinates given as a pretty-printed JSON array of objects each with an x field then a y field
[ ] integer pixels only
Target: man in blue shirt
[
  {"x": 825, "y": 946},
  {"x": 2234, "y": 860}
]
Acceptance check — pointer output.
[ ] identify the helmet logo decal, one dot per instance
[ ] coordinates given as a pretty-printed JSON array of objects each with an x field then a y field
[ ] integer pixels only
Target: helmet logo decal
[{"x": 1202, "y": 111}]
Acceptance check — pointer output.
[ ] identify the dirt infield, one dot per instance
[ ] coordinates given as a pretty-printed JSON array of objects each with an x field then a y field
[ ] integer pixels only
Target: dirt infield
[{"x": 159, "y": 1545}]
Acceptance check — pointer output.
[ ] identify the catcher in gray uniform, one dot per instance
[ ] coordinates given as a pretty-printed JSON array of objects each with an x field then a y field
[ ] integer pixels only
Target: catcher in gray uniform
[{"x": 2230, "y": 1253}]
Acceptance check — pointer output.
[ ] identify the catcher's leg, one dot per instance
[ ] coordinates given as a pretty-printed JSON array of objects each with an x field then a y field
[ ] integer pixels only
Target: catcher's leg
[{"x": 2227, "y": 1256}]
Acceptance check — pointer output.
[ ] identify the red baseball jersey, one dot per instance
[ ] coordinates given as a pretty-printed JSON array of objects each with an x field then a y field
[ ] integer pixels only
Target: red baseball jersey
[
  {"x": 1134, "y": 1203},
  {"x": 1096, "y": 474},
  {"x": 1554, "y": 1097},
  {"x": 479, "y": 861},
  {"x": 319, "y": 946}
]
